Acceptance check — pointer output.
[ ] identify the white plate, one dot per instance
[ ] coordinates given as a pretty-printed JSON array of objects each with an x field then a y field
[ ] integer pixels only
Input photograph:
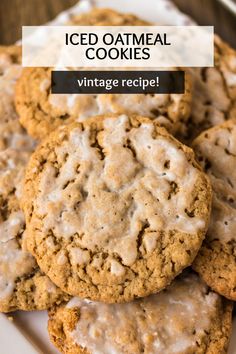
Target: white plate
[{"x": 26, "y": 332}]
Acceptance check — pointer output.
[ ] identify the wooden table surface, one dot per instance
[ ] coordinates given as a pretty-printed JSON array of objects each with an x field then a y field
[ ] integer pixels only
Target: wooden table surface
[{"x": 15, "y": 13}]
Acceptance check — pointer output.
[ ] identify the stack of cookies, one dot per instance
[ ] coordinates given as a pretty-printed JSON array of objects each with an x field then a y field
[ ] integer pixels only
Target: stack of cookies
[{"x": 118, "y": 212}]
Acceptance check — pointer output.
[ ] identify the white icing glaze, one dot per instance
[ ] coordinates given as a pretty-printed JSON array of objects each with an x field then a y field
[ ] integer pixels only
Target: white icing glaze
[
  {"x": 79, "y": 256},
  {"x": 85, "y": 106},
  {"x": 12, "y": 227},
  {"x": 49, "y": 286},
  {"x": 45, "y": 85},
  {"x": 14, "y": 263},
  {"x": 169, "y": 322},
  {"x": 12, "y": 168},
  {"x": 61, "y": 259},
  {"x": 116, "y": 268}
]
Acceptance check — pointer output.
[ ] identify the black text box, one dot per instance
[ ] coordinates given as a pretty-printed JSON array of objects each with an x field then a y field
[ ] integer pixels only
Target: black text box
[{"x": 128, "y": 82}]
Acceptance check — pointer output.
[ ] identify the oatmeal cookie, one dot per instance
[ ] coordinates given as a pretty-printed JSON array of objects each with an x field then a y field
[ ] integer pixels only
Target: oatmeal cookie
[
  {"x": 214, "y": 93},
  {"x": 185, "y": 318},
  {"x": 22, "y": 285},
  {"x": 12, "y": 134},
  {"x": 216, "y": 261},
  {"x": 115, "y": 207}
]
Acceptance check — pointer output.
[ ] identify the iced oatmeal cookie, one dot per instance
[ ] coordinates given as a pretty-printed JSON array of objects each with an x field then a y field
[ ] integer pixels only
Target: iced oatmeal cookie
[
  {"x": 41, "y": 111},
  {"x": 216, "y": 261},
  {"x": 12, "y": 134},
  {"x": 214, "y": 93},
  {"x": 185, "y": 318},
  {"x": 115, "y": 207},
  {"x": 22, "y": 285}
]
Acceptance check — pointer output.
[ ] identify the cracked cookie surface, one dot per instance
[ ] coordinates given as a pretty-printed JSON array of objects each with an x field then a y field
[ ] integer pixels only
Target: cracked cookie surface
[
  {"x": 214, "y": 92},
  {"x": 41, "y": 112},
  {"x": 216, "y": 261},
  {"x": 22, "y": 284},
  {"x": 12, "y": 134},
  {"x": 185, "y": 318},
  {"x": 115, "y": 207}
]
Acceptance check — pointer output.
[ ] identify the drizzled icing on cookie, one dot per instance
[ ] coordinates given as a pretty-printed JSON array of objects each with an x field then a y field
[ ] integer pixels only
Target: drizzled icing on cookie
[
  {"x": 216, "y": 150},
  {"x": 12, "y": 227},
  {"x": 154, "y": 106},
  {"x": 12, "y": 135},
  {"x": 172, "y": 321},
  {"x": 108, "y": 194},
  {"x": 14, "y": 262}
]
